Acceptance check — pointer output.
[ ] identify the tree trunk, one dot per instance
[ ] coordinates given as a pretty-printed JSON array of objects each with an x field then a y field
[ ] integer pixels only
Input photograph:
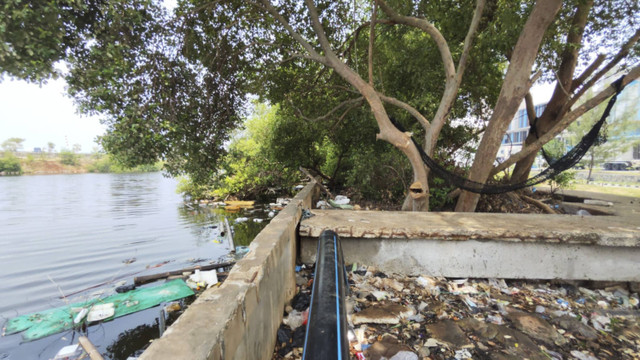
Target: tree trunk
[
  {"x": 418, "y": 197},
  {"x": 556, "y": 108},
  {"x": 515, "y": 87},
  {"x": 590, "y": 165}
]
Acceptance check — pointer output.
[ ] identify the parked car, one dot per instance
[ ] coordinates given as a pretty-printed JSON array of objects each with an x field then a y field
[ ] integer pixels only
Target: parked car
[{"x": 617, "y": 165}]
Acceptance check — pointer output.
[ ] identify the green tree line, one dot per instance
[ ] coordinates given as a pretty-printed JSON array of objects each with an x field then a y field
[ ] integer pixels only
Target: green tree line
[{"x": 175, "y": 86}]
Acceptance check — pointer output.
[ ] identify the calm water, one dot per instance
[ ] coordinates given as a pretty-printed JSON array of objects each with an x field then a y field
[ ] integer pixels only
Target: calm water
[{"x": 60, "y": 234}]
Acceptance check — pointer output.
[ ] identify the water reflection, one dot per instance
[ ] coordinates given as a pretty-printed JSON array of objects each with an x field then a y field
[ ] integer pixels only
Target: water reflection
[
  {"x": 132, "y": 195},
  {"x": 79, "y": 231},
  {"x": 209, "y": 220}
]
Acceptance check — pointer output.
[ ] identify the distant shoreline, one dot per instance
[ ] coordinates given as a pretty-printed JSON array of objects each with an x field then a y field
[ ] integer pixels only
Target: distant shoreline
[{"x": 67, "y": 163}]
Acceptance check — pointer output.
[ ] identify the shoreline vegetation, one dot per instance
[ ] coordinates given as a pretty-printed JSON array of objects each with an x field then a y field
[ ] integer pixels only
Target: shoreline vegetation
[{"x": 64, "y": 162}]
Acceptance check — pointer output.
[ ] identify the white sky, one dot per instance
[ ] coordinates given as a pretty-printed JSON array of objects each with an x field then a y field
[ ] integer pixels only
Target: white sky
[{"x": 42, "y": 114}]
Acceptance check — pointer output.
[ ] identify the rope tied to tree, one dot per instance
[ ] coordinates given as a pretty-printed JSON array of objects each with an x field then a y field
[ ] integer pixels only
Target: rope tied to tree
[{"x": 556, "y": 167}]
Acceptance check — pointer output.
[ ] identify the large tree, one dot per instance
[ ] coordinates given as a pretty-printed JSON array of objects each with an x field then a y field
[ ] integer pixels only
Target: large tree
[
  {"x": 173, "y": 87},
  {"x": 599, "y": 34}
]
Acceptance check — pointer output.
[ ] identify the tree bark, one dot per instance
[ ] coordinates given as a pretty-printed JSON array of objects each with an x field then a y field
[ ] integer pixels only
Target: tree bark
[
  {"x": 388, "y": 131},
  {"x": 416, "y": 200},
  {"x": 556, "y": 108},
  {"x": 515, "y": 87}
]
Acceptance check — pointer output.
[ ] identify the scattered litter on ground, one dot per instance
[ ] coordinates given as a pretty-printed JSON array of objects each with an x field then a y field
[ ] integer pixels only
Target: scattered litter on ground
[
  {"x": 423, "y": 317},
  {"x": 341, "y": 200}
]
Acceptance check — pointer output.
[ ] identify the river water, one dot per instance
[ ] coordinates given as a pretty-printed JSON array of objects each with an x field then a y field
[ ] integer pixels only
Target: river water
[{"x": 61, "y": 234}]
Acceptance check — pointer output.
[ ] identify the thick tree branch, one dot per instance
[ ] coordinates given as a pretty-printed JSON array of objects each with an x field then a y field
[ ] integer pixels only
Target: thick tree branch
[
  {"x": 511, "y": 95},
  {"x": 410, "y": 109},
  {"x": 319, "y": 30},
  {"x": 567, "y": 120},
  {"x": 453, "y": 84},
  {"x": 372, "y": 37},
  {"x": 468, "y": 40},
  {"x": 624, "y": 51},
  {"x": 572, "y": 48},
  {"x": 577, "y": 82},
  {"x": 531, "y": 109}
]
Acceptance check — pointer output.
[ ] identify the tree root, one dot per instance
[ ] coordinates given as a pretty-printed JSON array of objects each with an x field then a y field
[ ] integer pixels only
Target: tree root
[{"x": 539, "y": 204}]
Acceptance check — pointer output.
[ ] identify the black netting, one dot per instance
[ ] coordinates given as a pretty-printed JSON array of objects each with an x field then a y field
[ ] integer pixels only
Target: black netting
[{"x": 567, "y": 161}]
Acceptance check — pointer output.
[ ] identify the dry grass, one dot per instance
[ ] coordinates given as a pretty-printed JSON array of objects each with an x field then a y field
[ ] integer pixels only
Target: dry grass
[{"x": 613, "y": 190}]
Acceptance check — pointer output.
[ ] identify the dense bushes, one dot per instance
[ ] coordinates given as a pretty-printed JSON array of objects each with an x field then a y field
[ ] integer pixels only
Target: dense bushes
[
  {"x": 69, "y": 158},
  {"x": 265, "y": 156},
  {"x": 10, "y": 164}
]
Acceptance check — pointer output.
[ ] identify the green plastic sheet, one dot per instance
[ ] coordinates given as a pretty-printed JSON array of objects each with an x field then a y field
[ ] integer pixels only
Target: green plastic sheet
[{"x": 49, "y": 322}]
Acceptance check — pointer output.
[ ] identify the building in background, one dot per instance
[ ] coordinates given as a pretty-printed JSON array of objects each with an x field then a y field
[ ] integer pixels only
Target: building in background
[
  {"x": 629, "y": 99},
  {"x": 629, "y": 103},
  {"x": 517, "y": 132}
]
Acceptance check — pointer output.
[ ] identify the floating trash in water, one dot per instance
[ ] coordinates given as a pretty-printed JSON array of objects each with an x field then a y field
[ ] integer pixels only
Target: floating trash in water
[
  {"x": 70, "y": 352},
  {"x": 241, "y": 250},
  {"x": 40, "y": 324}
]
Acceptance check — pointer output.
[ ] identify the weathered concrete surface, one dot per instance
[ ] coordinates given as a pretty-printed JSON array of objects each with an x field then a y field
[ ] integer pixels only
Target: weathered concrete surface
[
  {"x": 625, "y": 208},
  {"x": 483, "y": 245},
  {"x": 239, "y": 320}
]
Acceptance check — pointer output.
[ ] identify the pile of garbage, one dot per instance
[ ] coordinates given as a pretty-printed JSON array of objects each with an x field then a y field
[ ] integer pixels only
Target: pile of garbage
[{"x": 405, "y": 317}]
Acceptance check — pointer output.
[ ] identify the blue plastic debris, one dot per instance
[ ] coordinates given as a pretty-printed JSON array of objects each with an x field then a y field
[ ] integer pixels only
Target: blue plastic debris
[
  {"x": 298, "y": 268},
  {"x": 563, "y": 303}
]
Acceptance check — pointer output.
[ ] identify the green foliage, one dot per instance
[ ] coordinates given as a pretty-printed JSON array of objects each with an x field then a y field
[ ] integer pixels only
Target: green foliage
[
  {"x": 438, "y": 191},
  {"x": 30, "y": 158},
  {"x": 250, "y": 168},
  {"x": 36, "y": 34},
  {"x": 9, "y": 163},
  {"x": 69, "y": 158},
  {"x": 194, "y": 190},
  {"x": 562, "y": 180},
  {"x": 173, "y": 88}
]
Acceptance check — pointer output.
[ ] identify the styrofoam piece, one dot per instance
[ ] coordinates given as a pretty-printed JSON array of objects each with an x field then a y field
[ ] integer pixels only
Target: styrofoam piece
[{"x": 101, "y": 312}]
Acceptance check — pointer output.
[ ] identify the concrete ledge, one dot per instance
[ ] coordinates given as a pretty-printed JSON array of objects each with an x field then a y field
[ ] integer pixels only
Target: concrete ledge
[
  {"x": 483, "y": 245},
  {"x": 239, "y": 320}
]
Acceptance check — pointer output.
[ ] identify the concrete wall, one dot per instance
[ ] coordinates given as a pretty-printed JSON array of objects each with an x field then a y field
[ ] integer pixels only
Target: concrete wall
[
  {"x": 483, "y": 245},
  {"x": 239, "y": 320},
  {"x": 489, "y": 259}
]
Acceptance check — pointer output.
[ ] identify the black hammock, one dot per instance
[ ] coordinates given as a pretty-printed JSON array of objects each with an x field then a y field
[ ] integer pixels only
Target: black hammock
[{"x": 556, "y": 166}]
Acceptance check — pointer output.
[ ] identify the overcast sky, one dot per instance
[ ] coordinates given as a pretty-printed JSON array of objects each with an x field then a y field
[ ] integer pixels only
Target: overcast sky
[{"x": 42, "y": 114}]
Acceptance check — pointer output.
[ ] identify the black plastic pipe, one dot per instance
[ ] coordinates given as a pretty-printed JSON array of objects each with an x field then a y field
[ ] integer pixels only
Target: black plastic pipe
[{"x": 326, "y": 336}]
